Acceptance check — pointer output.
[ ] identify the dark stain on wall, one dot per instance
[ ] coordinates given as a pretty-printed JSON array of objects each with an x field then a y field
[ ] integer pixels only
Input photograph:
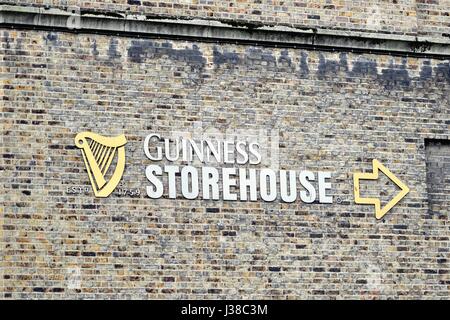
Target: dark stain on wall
[
  {"x": 304, "y": 69},
  {"x": 113, "y": 53},
  {"x": 395, "y": 76},
  {"x": 51, "y": 36},
  {"x": 426, "y": 71},
  {"x": 331, "y": 67},
  {"x": 255, "y": 57},
  {"x": 284, "y": 59},
  {"x": 363, "y": 67},
  {"x": 147, "y": 49},
  {"x": 442, "y": 71},
  {"x": 220, "y": 58},
  {"x": 343, "y": 61},
  {"x": 94, "y": 48},
  {"x": 7, "y": 39},
  {"x": 141, "y": 50}
]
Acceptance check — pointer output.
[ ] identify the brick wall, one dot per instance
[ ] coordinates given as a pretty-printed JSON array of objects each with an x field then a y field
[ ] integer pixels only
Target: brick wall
[
  {"x": 434, "y": 17},
  {"x": 400, "y": 17},
  {"x": 438, "y": 175},
  {"x": 333, "y": 111}
]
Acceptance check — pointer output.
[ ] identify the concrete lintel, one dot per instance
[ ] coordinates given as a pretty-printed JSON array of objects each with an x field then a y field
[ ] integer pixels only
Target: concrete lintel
[{"x": 18, "y": 17}]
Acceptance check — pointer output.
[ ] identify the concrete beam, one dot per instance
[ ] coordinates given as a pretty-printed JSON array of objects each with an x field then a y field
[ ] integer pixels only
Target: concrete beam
[{"x": 19, "y": 17}]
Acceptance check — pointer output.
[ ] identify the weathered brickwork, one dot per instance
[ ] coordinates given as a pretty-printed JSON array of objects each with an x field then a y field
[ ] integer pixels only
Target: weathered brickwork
[
  {"x": 402, "y": 17},
  {"x": 438, "y": 178},
  {"x": 434, "y": 17},
  {"x": 333, "y": 111}
]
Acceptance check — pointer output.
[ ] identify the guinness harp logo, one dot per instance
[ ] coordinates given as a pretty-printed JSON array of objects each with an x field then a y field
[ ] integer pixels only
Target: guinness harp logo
[{"x": 99, "y": 153}]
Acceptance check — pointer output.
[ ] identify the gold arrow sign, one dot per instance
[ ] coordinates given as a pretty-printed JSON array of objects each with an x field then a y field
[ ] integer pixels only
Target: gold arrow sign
[{"x": 377, "y": 166}]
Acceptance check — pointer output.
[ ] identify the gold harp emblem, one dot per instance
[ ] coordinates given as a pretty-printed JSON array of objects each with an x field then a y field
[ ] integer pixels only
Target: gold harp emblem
[{"x": 98, "y": 154}]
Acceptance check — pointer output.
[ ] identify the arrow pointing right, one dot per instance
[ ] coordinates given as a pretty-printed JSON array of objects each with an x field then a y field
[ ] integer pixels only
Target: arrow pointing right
[{"x": 376, "y": 167}]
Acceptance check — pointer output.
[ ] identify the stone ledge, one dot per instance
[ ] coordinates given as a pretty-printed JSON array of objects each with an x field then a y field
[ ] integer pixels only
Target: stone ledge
[{"x": 20, "y": 17}]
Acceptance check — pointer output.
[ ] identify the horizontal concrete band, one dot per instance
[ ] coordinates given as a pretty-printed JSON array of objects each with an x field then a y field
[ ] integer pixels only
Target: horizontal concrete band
[{"x": 18, "y": 17}]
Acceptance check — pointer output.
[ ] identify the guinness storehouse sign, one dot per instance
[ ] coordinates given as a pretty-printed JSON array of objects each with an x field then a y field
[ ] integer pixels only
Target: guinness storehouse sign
[
  {"x": 253, "y": 184},
  {"x": 216, "y": 169}
]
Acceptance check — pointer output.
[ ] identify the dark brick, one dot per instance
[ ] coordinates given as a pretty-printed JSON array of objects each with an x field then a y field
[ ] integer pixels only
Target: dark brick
[{"x": 274, "y": 269}]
